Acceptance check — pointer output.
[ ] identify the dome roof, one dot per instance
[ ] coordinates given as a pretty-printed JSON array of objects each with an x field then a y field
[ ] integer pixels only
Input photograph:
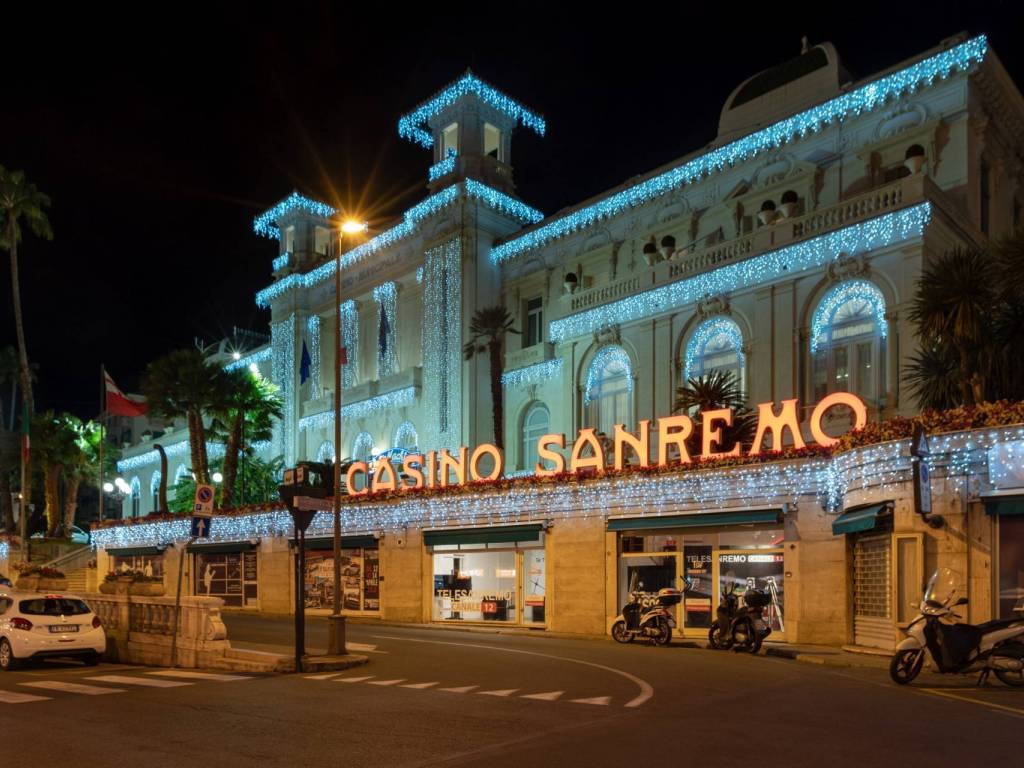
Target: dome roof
[{"x": 777, "y": 92}]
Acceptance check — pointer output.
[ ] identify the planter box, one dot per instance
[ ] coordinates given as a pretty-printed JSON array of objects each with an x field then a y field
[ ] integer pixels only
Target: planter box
[
  {"x": 52, "y": 585},
  {"x": 27, "y": 583},
  {"x": 146, "y": 589}
]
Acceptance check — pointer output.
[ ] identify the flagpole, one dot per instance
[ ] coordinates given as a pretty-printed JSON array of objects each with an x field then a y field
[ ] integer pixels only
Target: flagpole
[{"x": 103, "y": 430}]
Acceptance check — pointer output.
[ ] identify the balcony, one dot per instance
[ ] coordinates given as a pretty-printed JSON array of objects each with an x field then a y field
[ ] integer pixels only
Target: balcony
[{"x": 521, "y": 358}]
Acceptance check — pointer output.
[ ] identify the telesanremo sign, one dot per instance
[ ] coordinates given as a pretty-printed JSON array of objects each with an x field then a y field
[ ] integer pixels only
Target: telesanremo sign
[{"x": 441, "y": 469}]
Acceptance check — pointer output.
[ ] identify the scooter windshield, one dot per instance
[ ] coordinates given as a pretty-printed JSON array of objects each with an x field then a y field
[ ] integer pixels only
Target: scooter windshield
[{"x": 942, "y": 586}]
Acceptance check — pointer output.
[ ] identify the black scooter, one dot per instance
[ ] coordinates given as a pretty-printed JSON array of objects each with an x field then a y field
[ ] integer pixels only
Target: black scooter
[{"x": 741, "y": 628}]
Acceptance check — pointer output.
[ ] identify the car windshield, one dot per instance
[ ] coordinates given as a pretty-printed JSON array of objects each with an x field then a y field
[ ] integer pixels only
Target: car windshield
[
  {"x": 53, "y": 606},
  {"x": 942, "y": 586}
]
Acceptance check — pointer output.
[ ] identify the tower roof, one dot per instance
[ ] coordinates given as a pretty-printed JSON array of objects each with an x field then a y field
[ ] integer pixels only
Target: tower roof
[
  {"x": 266, "y": 223},
  {"x": 412, "y": 125}
]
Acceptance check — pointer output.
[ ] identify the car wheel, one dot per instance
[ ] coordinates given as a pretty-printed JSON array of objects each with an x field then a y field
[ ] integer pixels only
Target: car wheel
[
  {"x": 7, "y": 660},
  {"x": 91, "y": 660}
]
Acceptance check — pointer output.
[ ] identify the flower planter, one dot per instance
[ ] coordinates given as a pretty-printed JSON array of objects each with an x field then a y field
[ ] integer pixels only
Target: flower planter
[
  {"x": 27, "y": 583},
  {"x": 146, "y": 589},
  {"x": 52, "y": 585},
  {"x": 110, "y": 588}
]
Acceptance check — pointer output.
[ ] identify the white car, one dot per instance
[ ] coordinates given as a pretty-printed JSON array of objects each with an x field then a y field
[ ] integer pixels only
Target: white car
[{"x": 36, "y": 626}]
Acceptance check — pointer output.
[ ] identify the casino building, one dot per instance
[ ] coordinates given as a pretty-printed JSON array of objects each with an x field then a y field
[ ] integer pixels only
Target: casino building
[{"x": 786, "y": 251}]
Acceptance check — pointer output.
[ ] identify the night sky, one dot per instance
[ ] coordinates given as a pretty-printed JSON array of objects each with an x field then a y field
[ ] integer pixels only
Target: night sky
[{"x": 159, "y": 137}]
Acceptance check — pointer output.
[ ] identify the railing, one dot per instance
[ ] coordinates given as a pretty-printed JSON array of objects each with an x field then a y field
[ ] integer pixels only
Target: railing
[
  {"x": 74, "y": 560},
  {"x": 869, "y": 204}
]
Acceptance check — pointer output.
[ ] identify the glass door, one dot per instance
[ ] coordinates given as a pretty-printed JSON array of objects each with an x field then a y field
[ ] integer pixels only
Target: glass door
[
  {"x": 761, "y": 569},
  {"x": 533, "y": 587},
  {"x": 653, "y": 572}
]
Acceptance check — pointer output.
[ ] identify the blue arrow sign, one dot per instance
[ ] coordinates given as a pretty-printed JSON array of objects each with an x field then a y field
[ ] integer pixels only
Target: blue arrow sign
[{"x": 201, "y": 527}]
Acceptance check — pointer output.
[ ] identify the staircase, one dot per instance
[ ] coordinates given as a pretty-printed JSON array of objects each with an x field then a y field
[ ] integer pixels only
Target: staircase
[{"x": 74, "y": 566}]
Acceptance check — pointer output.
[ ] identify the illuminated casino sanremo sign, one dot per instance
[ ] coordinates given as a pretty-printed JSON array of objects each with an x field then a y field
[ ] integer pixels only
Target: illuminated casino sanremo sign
[{"x": 441, "y": 469}]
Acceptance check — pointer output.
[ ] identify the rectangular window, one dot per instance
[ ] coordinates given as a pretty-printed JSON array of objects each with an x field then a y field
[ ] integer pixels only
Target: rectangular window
[
  {"x": 534, "y": 332},
  {"x": 475, "y": 586},
  {"x": 360, "y": 579},
  {"x": 1011, "y": 565},
  {"x": 492, "y": 141},
  {"x": 449, "y": 141},
  {"x": 865, "y": 384},
  {"x": 840, "y": 369},
  {"x": 230, "y": 576},
  {"x": 322, "y": 239},
  {"x": 148, "y": 565},
  {"x": 820, "y": 377},
  {"x": 289, "y": 239},
  {"x": 986, "y": 192}
]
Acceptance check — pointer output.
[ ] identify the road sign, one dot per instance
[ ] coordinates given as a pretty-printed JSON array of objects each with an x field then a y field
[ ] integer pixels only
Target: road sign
[
  {"x": 201, "y": 526},
  {"x": 204, "y": 501}
]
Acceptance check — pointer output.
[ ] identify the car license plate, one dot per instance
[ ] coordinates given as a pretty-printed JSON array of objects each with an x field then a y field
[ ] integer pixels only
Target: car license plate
[{"x": 61, "y": 628}]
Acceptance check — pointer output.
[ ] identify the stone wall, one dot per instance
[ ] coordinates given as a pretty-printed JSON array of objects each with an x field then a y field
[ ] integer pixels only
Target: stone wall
[
  {"x": 406, "y": 577},
  {"x": 576, "y": 576}
]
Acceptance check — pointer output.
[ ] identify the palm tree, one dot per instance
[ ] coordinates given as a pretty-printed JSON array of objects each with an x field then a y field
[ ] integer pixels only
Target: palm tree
[
  {"x": 20, "y": 200},
  {"x": 183, "y": 384},
  {"x": 488, "y": 330},
  {"x": 953, "y": 305},
  {"x": 245, "y": 415},
  {"x": 9, "y": 454},
  {"x": 85, "y": 465},
  {"x": 54, "y": 449},
  {"x": 715, "y": 390},
  {"x": 933, "y": 376}
]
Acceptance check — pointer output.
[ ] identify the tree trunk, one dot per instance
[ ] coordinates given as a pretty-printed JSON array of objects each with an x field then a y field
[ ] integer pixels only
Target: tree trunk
[
  {"x": 5, "y": 499},
  {"x": 497, "y": 395},
  {"x": 52, "y": 494},
  {"x": 71, "y": 503},
  {"x": 966, "y": 391},
  {"x": 19, "y": 325},
  {"x": 197, "y": 445},
  {"x": 231, "y": 448}
]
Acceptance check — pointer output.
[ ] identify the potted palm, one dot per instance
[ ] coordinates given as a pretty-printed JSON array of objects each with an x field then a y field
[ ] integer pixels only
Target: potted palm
[
  {"x": 767, "y": 213},
  {"x": 914, "y": 158},
  {"x": 789, "y": 203}
]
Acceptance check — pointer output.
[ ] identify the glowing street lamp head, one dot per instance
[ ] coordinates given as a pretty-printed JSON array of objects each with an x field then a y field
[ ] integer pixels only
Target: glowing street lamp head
[
  {"x": 352, "y": 227},
  {"x": 254, "y": 369},
  {"x": 236, "y": 355},
  {"x": 108, "y": 487},
  {"x": 218, "y": 477}
]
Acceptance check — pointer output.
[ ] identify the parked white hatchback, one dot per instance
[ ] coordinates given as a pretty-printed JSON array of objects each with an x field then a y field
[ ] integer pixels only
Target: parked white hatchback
[{"x": 37, "y": 626}]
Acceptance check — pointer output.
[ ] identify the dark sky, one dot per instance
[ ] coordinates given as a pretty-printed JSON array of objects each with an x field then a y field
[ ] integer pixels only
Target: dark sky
[{"x": 159, "y": 134}]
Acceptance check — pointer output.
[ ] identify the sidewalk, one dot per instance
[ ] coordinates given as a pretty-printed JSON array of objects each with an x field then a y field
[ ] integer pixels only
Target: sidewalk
[{"x": 828, "y": 655}]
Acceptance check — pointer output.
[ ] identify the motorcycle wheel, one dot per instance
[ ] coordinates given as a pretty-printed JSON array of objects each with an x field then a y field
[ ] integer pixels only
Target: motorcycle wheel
[
  {"x": 1010, "y": 678},
  {"x": 716, "y": 638},
  {"x": 743, "y": 637},
  {"x": 664, "y": 636},
  {"x": 620, "y": 634},
  {"x": 906, "y": 665}
]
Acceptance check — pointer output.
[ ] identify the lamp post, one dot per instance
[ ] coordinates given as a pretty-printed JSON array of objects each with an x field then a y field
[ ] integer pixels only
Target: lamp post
[{"x": 336, "y": 623}]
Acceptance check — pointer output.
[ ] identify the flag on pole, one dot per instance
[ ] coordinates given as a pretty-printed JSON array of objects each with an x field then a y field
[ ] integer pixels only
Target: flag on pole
[
  {"x": 305, "y": 364},
  {"x": 117, "y": 402}
]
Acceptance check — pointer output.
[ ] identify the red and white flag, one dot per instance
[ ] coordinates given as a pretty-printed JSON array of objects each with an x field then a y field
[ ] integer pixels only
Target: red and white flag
[{"x": 118, "y": 403}]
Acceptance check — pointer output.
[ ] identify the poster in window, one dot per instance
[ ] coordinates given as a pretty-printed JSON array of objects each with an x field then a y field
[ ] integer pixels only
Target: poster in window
[{"x": 371, "y": 580}]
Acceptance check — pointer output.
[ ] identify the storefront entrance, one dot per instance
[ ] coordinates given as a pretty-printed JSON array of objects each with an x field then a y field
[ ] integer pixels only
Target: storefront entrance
[
  {"x": 360, "y": 574},
  {"x": 1008, "y": 514},
  {"x": 489, "y": 575},
  {"x": 744, "y": 551},
  {"x": 227, "y": 571}
]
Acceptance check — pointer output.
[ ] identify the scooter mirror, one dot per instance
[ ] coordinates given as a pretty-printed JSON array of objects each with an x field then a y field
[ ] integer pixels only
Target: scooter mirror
[{"x": 961, "y": 601}]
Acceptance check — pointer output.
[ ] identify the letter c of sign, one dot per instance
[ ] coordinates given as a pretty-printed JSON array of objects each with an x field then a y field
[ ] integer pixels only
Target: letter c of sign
[{"x": 851, "y": 401}]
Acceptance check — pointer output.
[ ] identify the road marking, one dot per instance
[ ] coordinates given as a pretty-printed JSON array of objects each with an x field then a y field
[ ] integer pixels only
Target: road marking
[
  {"x": 85, "y": 690},
  {"x": 600, "y": 701},
  {"x": 646, "y": 689},
  {"x": 505, "y": 692},
  {"x": 328, "y": 676},
  {"x": 362, "y": 647},
  {"x": 199, "y": 675},
  {"x": 463, "y": 689},
  {"x": 148, "y": 682},
  {"x": 387, "y": 682},
  {"x": 552, "y": 696},
  {"x": 948, "y": 695},
  {"x": 354, "y": 679},
  {"x": 419, "y": 686},
  {"x": 11, "y": 697}
]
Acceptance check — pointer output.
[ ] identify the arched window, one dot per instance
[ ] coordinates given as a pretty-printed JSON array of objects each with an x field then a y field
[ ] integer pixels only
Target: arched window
[
  {"x": 325, "y": 453},
  {"x": 362, "y": 447},
  {"x": 136, "y": 496},
  {"x": 608, "y": 391},
  {"x": 179, "y": 473},
  {"x": 536, "y": 422},
  {"x": 848, "y": 333},
  {"x": 154, "y": 490},
  {"x": 406, "y": 437},
  {"x": 716, "y": 345}
]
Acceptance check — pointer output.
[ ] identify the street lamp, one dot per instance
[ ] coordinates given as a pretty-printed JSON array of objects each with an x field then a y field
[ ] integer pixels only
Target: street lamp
[{"x": 352, "y": 228}]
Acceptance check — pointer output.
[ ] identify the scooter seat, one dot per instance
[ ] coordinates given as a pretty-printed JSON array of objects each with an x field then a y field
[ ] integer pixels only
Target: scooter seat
[{"x": 996, "y": 624}]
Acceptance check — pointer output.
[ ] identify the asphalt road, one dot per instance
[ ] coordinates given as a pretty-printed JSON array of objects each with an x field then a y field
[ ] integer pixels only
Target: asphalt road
[{"x": 431, "y": 697}]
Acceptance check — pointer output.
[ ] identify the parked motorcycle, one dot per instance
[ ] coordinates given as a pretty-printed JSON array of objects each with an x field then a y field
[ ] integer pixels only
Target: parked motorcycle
[
  {"x": 741, "y": 628},
  {"x": 646, "y": 618},
  {"x": 995, "y": 646}
]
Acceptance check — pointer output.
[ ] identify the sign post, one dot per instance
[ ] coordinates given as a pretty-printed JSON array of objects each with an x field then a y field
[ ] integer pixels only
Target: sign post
[{"x": 919, "y": 452}]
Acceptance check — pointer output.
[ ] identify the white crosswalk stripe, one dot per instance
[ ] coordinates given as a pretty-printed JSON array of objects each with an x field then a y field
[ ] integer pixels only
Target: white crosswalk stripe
[
  {"x": 387, "y": 682},
  {"x": 601, "y": 701},
  {"x": 419, "y": 686},
  {"x": 12, "y": 697},
  {"x": 60, "y": 685},
  {"x": 327, "y": 676},
  {"x": 463, "y": 689},
  {"x": 597, "y": 701},
  {"x": 505, "y": 692},
  {"x": 186, "y": 674},
  {"x": 145, "y": 682},
  {"x": 354, "y": 679},
  {"x": 550, "y": 696}
]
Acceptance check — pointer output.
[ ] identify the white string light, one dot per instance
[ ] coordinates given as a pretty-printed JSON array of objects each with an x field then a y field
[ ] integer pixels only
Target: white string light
[
  {"x": 266, "y": 223},
  {"x": 532, "y": 374}
]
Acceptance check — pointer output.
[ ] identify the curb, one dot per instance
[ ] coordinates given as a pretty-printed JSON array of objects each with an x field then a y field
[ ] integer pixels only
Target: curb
[{"x": 330, "y": 663}]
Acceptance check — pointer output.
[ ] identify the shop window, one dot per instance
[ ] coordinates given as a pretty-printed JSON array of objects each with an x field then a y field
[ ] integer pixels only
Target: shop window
[
  {"x": 716, "y": 345},
  {"x": 449, "y": 141},
  {"x": 1011, "y": 566},
  {"x": 231, "y": 576},
  {"x": 360, "y": 579},
  {"x": 325, "y": 453},
  {"x": 149, "y": 565},
  {"x": 608, "y": 390},
  {"x": 536, "y": 423},
  {"x": 492, "y": 141},
  {"x": 848, "y": 334},
  {"x": 136, "y": 496},
  {"x": 154, "y": 490},
  {"x": 406, "y": 436},
  {"x": 534, "y": 331}
]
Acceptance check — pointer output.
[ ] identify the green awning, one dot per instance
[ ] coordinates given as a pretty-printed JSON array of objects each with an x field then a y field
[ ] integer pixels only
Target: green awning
[
  {"x": 862, "y": 518},
  {"x": 222, "y": 547},
  {"x": 701, "y": 519},
  {"x": 322, "y": 543},
  {"x": 135, "y": 551},
  {"x": 1009, "y": 505},
  {"x": 497, "y": 534}
]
